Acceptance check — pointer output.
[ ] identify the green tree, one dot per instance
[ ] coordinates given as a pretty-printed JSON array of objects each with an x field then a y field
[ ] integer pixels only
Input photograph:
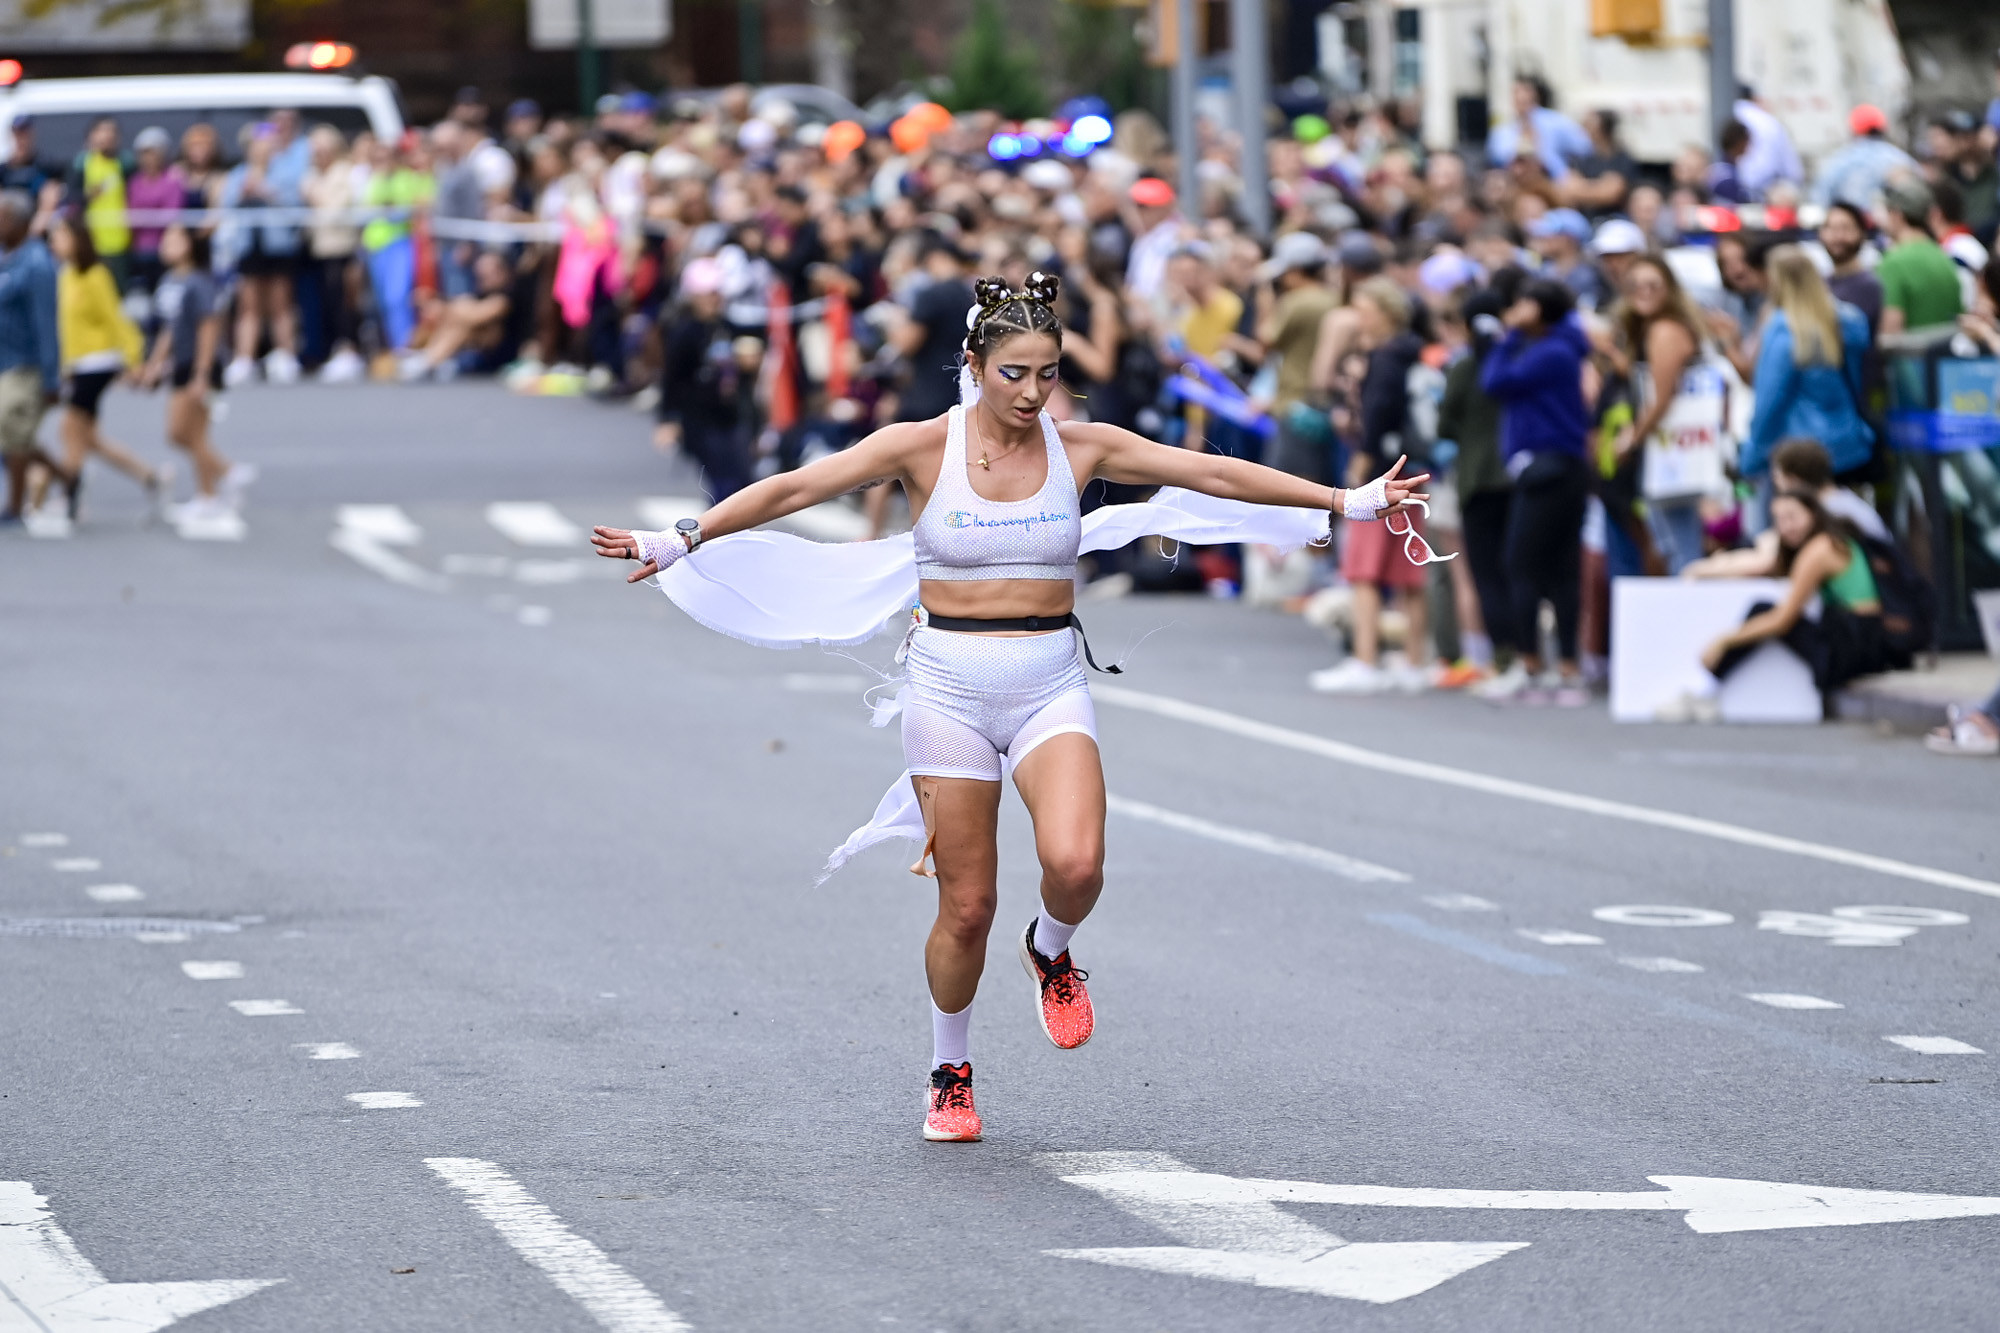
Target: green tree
[
  {"x": 1100, "y": 52},
  {"x": 989, "y": 72}
]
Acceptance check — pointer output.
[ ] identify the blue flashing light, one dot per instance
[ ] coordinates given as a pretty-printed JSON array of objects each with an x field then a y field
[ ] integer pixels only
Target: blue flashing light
[
  {"x": 1076, "y": 147},
  {"x": 1092, "y": 130},
  {"x": 1004, "y": 147},
  {"x": 1030, "y": 146}
]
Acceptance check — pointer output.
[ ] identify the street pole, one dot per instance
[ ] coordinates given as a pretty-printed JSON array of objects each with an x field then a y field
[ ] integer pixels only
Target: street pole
[
  {"x": 1721, "y": 69},
  {"x": 1185, "y": 151},
  {"x": 1251, "y": 61},
  {"x": 586, "y": 59},
  {"x": 750, "y": 41}
]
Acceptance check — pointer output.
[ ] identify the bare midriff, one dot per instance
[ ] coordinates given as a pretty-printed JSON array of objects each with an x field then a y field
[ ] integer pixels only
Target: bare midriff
[{"x": 999, "y": 599}]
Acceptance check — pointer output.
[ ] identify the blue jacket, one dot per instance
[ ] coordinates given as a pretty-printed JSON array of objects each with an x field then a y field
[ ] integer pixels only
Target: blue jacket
[
  {"x": 28, "y": 312},
  {"x": 233, "y": 238},
  {"x": 1539, "y": 385},
  {"x": 1817, "y": 402}
]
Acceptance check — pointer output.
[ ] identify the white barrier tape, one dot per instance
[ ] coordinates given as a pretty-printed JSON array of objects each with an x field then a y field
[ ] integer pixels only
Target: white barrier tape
[{"x": 455, "y": 229}]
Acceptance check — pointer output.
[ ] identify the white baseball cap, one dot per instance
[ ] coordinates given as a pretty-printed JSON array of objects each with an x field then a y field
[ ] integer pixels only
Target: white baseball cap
[{"x": 1619, "y": 236}]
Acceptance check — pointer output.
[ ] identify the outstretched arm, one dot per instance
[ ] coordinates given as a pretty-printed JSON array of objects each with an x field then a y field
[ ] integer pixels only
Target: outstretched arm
[
  {"x": 882, "y": 456},
  {"x": 1125, "y": 457}
]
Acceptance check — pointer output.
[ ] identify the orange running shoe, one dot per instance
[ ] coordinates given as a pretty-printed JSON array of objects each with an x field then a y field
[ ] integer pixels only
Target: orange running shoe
[
  {"x": 949, "y": 1116},
  {"x": 1064, "y": 1004}
]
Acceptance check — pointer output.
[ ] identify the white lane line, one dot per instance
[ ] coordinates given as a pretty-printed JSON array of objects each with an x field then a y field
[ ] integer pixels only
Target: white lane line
[
  {"x": 535, "y": 616},
  {"x": 327, "y": 1050},
  {"x": 387, "y": 524},
  {"x": 1785, "y": 1000},
  {"x": 1200, "y": 715},
  {"x": 44, "y": 840},
  {"x": 534, "y": 523},
  {"x": 1347, "y": 867},
  {"x": 115, "y": 893},
  {"x": 213, "y": 970},
  {"x": 613, "y": 1297},
  {"x": 1461, "y": 902},
  {"x": 383, "y": 1101},
  {"x": 1557, "y": 936},
  {"x": 71, "y": 865},
  {"x": 264, "y": 1008},
  {"x": 162, "y": 936},
  {"x": 1935, "y": 1045},
  {"x": 1662, "y": 965}
]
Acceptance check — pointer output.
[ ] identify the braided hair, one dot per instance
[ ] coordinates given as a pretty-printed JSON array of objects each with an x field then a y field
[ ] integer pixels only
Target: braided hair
[{"x": 999, "y": 313}]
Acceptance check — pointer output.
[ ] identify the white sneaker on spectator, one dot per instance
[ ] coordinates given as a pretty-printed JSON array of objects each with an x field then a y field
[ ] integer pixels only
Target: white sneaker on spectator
[
  {"x": 1411, "y": 679},
  {"x": 281, "y": 367},
  {"x": 1689, "y": 706},
  {"x": 412, "y": 367},
  {"x": 49, "y": 523},
  {"x": 236, "y": 481},
  {"x": 1353, "y": 676},
  {"x": 446, "y": 370},
  {"x": 343, "y": 367},
  {"x": 239, "y": 372},
  {"x": 208, "y": 518},
  {"x": 1506, "y": 685}
]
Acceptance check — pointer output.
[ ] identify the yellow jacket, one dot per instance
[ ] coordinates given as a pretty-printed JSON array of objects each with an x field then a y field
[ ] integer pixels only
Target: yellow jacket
[{"x": 90, "y": 319}]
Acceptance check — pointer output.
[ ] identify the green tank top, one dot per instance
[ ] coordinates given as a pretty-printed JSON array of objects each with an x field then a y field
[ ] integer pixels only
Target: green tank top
[{"x": 1855, "y": 585}]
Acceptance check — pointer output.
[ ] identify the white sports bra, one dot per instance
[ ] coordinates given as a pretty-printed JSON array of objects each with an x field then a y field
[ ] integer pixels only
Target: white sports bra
[{"x": 964, "y": 537}]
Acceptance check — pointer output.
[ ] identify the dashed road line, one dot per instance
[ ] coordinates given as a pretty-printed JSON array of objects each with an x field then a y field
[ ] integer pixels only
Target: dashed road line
[
  {"x": 613, "y": 1297},
  {"x": 1935, "y": 1045},
  {"x": 212, "y": 970},
  {"x": 1461, "y": 902},
  {"x": 1557, "y": 936},
  {"x": 75, "y": 865},
  {"x": 328, "y": 1050},
  {"x": 1662, "y": 965},
  {"x": 1347, "y": 867},
  {"x": 264, "y": 1008},
  {"x": 1787, "y": 1000},
  {"x": 115, "y": 893},
  {"x": 1340, "y": 751},
  {"x": 383, "y": 1101},
  {"x": 44, "y": 840}
]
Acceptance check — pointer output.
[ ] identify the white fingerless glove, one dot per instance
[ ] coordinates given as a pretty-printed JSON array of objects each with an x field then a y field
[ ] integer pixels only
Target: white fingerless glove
[
  {"x": 662, "y": 548},
  {"x": 1360, "y": 503}
]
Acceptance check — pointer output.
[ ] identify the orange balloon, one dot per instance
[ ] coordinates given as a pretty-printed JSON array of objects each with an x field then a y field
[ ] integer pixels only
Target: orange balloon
[
  {"x": 908, "y": 135},
  {"x": 931, "y": 116},
  {"x": 842, "y": 138}
]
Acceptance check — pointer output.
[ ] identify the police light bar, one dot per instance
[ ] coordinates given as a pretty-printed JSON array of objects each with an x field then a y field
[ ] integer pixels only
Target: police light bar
[{"x": 319, "y": 55}]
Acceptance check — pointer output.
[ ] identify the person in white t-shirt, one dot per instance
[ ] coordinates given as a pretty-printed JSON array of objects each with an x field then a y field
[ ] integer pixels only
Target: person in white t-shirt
[{"x": 1796, "y": 465}]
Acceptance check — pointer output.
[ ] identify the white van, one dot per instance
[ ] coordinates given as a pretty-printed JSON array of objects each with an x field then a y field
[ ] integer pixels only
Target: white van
[{"x": 64, "y": 108}]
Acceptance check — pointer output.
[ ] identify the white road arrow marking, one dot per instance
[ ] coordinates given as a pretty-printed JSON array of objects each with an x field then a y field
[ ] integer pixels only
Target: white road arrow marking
[
  {"x": 1712, "y": 1205},
  {"x": 1244, "y": 1238},
  {"x": 534, "y": 523},
  {"x": 48, "y": 1286}
]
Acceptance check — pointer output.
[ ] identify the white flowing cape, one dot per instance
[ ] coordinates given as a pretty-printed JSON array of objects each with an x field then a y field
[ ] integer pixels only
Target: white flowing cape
[{"x": 781, "y": 591}]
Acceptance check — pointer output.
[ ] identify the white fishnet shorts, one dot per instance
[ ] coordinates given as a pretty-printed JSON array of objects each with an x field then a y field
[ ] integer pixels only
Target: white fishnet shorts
[{"x": 973, "y": 698}]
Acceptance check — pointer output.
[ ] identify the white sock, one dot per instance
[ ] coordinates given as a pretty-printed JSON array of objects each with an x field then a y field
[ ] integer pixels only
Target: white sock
[
  {"x": 1051, "y": 935},
  {"x": 951, "y": 1036}
]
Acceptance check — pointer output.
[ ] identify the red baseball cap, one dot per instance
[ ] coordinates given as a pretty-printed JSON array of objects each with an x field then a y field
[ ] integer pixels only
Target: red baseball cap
[
  {"x": 1152, "y": 192},
  {"x": 1866, "y": 119}
]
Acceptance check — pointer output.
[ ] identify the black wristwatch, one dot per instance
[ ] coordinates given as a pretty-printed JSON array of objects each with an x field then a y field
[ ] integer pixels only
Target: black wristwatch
[{"x": 690, "y": 531}]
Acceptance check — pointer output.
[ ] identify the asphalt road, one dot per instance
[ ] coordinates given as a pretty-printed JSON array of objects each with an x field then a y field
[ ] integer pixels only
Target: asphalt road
[{"x": 527, "y": 847}]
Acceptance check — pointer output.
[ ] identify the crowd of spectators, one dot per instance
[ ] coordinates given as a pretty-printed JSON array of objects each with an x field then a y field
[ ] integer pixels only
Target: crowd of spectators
[{"x": 1568, "y": 340}]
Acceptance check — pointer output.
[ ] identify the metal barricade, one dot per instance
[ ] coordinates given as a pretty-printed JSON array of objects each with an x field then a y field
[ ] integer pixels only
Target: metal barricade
[{"x": 1944, "y": 428}]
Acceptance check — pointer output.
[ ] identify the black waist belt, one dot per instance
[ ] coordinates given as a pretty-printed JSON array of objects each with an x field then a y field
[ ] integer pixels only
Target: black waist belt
[{"x": 964, "y": 625}]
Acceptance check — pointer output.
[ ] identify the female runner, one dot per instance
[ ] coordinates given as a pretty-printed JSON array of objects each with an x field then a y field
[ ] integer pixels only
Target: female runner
[{"x": 994, "y": 677}]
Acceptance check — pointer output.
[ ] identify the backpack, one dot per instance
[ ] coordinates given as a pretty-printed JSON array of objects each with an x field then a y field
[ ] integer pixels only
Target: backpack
[{"x": 1909, "y": 602}]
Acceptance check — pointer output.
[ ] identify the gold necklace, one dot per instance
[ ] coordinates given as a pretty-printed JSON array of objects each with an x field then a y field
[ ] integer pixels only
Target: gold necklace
[{"x": 972, "y": 424}]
